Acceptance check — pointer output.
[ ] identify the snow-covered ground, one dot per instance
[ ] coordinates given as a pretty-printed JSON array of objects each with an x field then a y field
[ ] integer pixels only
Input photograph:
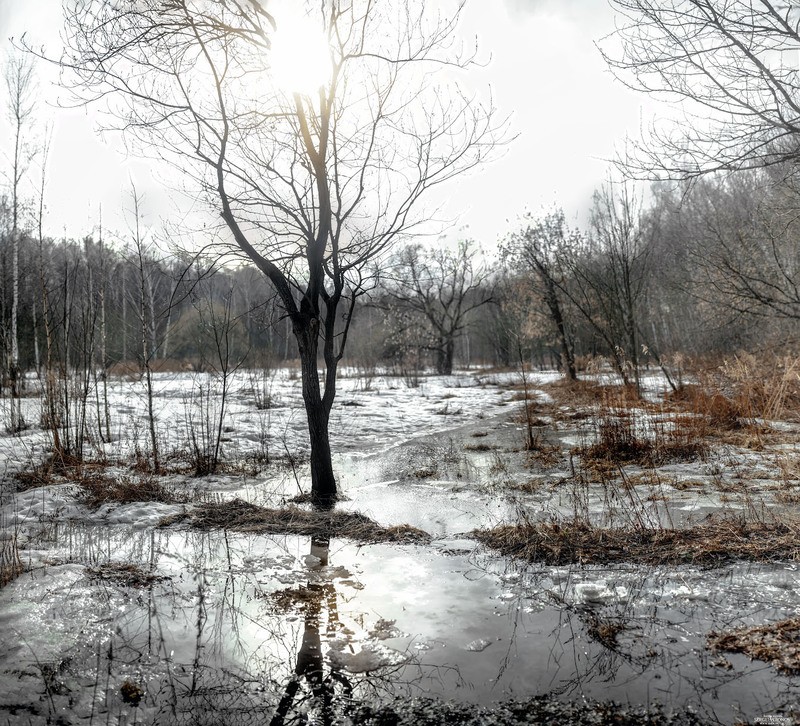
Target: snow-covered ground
[{"x": 118, "y": 621}]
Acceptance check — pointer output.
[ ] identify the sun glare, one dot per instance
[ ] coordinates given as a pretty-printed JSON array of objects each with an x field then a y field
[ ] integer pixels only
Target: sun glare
[{"x": 300, "y": 57}]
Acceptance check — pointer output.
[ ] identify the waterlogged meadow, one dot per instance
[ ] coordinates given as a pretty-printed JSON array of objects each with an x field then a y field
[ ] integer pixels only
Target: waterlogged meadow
[{"x": 501, "y": 554}]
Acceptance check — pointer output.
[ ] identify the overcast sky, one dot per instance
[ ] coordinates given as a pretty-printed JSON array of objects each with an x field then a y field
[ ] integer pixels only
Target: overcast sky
[{"x": 545, "y": 70}]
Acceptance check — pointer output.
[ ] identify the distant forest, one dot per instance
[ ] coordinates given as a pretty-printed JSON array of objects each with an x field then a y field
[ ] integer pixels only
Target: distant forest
[{"x": 699, "y": 269}]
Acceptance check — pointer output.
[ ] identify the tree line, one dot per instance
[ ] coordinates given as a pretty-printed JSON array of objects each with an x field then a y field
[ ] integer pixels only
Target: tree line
[{"x": 700, "y": 270}]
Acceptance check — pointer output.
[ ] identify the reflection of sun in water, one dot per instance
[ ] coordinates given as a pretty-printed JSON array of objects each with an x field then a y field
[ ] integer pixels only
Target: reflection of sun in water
[{"x": 300, "y": 56}]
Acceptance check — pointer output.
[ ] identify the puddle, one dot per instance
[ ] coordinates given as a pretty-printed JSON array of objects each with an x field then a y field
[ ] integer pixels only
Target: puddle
[
  {"x": 244, "y": 622},
  {"x": 231, "y": 628}
]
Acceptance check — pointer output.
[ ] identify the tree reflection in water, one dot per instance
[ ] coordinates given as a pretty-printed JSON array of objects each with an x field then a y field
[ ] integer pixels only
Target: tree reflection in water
[
  {"x": 197, "y": 625},
  {"x": 310, "y": 660}
]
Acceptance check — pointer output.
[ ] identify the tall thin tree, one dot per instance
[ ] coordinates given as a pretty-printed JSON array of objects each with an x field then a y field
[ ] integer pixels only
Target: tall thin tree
[{"x": 20, "y": 86}]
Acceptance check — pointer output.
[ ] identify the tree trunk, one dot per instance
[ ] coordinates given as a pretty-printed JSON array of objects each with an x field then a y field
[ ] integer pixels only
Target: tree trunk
[
  {"x": 323, "y": 482},
  {"x": 567, "y": 356},
  {"x": 14, "y": 368},
  {"x": 444, "y": 357},
  {"x": 124, "y": 318}
]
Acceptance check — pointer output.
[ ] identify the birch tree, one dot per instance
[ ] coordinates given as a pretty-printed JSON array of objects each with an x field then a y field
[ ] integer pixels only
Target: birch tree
[{"x": 20, "y": 86}]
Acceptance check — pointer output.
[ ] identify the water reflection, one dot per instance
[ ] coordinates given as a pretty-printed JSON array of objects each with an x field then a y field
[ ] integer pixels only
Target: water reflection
[
  {"x": 310, "y": 663},
  {"x": 215, "y": 627}
]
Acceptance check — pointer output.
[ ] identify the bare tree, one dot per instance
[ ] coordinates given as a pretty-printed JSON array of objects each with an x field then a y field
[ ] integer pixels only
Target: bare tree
[
  {"x": 311, "y": 185},
  {"x": 735, "y": 63},
  {"x": 20, "y": 86},
  {"x": 740, "y": 234},
  {"x": 604, "y": 274},
  {"x": 620, "y": 278},
  {"x": 538, "y": 248},
  {"x": 440, "y": 287}
]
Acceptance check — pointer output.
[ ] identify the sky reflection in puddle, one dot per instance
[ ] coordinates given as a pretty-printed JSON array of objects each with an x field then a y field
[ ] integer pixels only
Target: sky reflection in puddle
[{"x": 283, "y": 625}]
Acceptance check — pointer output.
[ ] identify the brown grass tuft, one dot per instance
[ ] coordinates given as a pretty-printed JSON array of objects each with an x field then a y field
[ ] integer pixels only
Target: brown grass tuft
[
  {"x": 479, "y": 447},
  {"x": 590, "y": 393},
  {"x": 714, "y": 542},
  {"x": 719, "y": 412},
  {"x": 10, "y": 563},
  {"x": 619, "y": 442},
  {"x": 54, "y": 467},
  {"x": 123, "y": 573},
  {"x": 98, "y": 488},
  {"x": 778, "y": 643},
  {"x": 244, "y": 517}
]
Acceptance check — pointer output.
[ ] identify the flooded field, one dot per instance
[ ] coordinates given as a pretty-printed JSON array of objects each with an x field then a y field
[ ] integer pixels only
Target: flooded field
[{"x": 127, "y": 614}]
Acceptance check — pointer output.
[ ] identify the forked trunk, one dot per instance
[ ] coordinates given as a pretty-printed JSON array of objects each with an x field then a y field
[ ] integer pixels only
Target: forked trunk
[
  {"x": 565, "y": 349},
  {"x": 323, "y": 482}
]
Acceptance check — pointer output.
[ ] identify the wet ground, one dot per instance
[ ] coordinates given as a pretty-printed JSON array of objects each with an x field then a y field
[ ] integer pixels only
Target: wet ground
[{"x": 117, "y": 620}]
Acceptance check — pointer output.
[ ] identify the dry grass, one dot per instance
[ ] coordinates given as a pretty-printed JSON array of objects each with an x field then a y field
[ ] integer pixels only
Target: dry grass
[
  {"x": 735, "y": 397},
  {"x": 98, "y": 488},
  {"x": 10, "y": 562},
  {"x": 244, "y": 517},
  {"x": 778, "y": 643},
  {"x": 619, "y": 441},
  {"x": 544, "y": 455},
  {"x": 125, "y": 574},
  {"x": 590, "y": 393},
  {"x": 133, "y": 370},
  {"x": 714, "y": 542},
  {"x": 763, "y": 387},
  {"x": 54, "y": 468},
  {"x": 604, "y": 631},
  {"x": 479, "y": 447},
  {"x": 717, "y": 412}
]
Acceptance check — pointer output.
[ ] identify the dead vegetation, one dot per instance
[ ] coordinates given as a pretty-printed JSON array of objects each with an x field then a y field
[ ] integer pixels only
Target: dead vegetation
[
  {"x": 131, "y": 692},
  {"x": 479, "y": 447},
  {"x": 99, "y": 488},
  {"x": 713, "y": 542},
  {"x": 604, "y": 630},
  {"x": 55, "y": 469},
  {"x": 541, "y": 710},
  {"x": 589, "y": 393},
  {"x": 296, "y": 599},
  {"x": 623, "y": 437},
  {"x": 777, "y": 643},
  {"x": 96, "y": 483},
  {"x": 730, "y": 401},
  {"x": 124, "y": 574},
  {"x": 241, "y": 516},
  {"x": 10, "y": 563}
]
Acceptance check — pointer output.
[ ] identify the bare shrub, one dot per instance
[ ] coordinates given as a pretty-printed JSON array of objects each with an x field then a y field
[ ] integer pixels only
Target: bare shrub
[
  {"x": 10, "y": 562},
  {"x": 625, "y": 437}
]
